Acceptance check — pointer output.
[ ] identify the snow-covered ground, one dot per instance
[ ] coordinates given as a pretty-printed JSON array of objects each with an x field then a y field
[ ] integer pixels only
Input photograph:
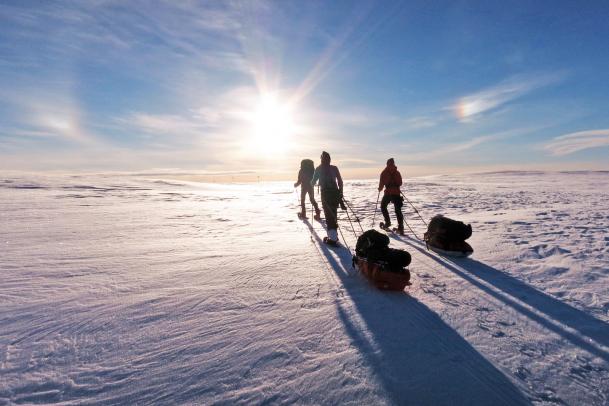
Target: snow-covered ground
[{"x": 124, "y": 289}]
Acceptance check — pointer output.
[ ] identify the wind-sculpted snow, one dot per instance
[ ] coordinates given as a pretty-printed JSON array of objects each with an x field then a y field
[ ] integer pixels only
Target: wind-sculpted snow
[{"x": 118, "y": 289}]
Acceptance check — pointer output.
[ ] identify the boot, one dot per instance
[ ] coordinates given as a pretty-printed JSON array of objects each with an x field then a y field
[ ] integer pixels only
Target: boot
[
  {"x": 332, "y": 235},
  {"x": 303, "y": 214},
  {"x": 317, "y": 214},
  {"x": 385, "y": 225},
  {"x": 400, "y": 229}
]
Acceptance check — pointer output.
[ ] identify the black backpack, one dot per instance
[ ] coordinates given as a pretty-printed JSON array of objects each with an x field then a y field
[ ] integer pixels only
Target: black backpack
[
  {"x": 307, "y": 166},
  {"x": 374, "y": 246},
  {"x": 371, "y": 240}
]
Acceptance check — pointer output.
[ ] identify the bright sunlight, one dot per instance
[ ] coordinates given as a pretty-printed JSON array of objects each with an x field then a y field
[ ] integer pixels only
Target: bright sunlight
[{"x": 272, "y": 125}]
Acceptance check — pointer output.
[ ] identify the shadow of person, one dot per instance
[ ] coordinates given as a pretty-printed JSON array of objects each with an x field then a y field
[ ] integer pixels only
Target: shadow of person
[
  {"x": 416, "y": 357},
  {"x": 578, "y": 327}
]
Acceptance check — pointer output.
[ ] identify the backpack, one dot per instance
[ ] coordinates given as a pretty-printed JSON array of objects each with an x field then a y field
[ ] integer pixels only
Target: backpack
[
  {"x": 307, "y": 166},
  {"x": 374, "y": 246},
  {"x": 448, "y": 230},
  {"x": 370, "y": 240}
]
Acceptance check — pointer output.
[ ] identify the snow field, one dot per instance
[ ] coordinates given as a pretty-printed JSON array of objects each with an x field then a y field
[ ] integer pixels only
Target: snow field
[{"x": 123, "y": 289}]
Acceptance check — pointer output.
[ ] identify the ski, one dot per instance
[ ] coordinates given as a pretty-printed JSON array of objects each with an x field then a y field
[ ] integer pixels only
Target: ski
[
  {"x": 384, "y": 227},
  {"x": 394, "y": 230},
  {"x": 331, "y": 242}
]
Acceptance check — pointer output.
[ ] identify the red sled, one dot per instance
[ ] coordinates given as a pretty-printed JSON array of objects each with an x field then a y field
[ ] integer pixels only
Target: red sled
[{"x": 383, "y": 279}]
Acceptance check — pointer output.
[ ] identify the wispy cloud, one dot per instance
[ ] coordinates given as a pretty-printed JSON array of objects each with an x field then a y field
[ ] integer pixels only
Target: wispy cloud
[
  {"x": 421, "y": 122},
  {"x": 134, "y": 34},
  {"x": 453, "y": 148},
  {"x": 227, "y": 60},
  {"x": 474, "y": 105},
  {"x": 220, "y": 113},
  {"x": 569, "y": 143},
  {"x": 164, "y": 124}
]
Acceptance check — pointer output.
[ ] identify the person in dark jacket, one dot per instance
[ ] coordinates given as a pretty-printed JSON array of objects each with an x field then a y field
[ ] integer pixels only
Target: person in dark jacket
[
  {"x": 391, "y": 180},
  {"x": 305, "y": 174},
  {"x": 331, "y": 185}
]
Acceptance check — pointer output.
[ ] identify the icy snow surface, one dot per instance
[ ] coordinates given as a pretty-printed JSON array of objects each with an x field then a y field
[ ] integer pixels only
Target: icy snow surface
[{"x": 124, "y": 289}]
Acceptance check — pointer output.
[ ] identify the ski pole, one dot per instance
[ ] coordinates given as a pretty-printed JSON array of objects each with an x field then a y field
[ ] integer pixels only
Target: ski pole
[
  {"x": 412, "y": 231},
  {"x": 351, "y": 224},
  {"x": 415, "y": 209},
  {"x": 376, "y": 207},
  {"x": 347, "y": 245},
  {"x": 354, "y": 214}
]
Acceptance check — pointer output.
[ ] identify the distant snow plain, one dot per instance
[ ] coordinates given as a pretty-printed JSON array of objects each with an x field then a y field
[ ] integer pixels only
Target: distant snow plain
[{"x": 132, "y": 290}]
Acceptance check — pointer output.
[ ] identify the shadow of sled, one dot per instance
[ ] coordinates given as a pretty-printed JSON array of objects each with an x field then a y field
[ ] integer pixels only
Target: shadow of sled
[
  {"x": 415, "y": 356},
  {"x": 589, "y": 332}
]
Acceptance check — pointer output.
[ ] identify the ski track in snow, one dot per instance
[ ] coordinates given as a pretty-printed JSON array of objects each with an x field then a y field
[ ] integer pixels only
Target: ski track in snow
[{"x": 120, "y": 289}]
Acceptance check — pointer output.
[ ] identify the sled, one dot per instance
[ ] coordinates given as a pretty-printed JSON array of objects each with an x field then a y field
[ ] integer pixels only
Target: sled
[
  {"x": 447, "y": 237},
  {"x": 331, "y": 242},
  {"x": 379, "y": 277},
  {"x": 459, "y": 249}
]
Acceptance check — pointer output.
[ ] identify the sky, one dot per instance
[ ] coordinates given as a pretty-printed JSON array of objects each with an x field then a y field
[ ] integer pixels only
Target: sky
[{"x": 249, "y": 88}]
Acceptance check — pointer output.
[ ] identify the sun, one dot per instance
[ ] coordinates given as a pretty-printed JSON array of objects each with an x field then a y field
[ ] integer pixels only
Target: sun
[{"x": 272, "y": 125}]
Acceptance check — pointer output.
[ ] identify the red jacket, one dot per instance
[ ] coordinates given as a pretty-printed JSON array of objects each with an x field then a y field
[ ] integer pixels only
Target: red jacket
[{"x": 391, "y": 179}]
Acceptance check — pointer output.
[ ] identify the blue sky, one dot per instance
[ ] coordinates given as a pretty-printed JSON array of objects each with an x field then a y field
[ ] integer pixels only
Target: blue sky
[{"x": 253, "y": 87}]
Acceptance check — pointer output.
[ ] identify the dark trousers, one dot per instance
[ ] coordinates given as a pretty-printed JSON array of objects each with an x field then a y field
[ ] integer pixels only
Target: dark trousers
[
  {"x": 398, "y": 202},
  {"x": 330, "y": 198},
  {"x": 303, "y": 195}
]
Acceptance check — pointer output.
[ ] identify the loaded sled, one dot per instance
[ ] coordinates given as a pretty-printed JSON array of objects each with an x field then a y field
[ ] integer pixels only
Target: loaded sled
[
  {"x": 447, "y": 237},
  {"x": 386, "y": 268}
]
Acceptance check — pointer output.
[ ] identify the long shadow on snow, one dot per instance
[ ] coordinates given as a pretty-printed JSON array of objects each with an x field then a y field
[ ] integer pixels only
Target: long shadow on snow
[
  {"x": 544, "y": 309},
  {"x": 417, "y": 358}
]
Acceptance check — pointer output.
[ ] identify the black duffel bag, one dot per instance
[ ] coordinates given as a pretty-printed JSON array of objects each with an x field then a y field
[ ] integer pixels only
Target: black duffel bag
[
  {"x": 397, "y": 259},
  {"x": 447, "y": 229},
  {"x": 394, "y": 260}
]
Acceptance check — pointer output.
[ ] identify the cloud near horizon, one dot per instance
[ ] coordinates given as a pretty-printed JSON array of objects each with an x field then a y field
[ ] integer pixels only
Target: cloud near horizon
[{"x": 578, "y": 141}]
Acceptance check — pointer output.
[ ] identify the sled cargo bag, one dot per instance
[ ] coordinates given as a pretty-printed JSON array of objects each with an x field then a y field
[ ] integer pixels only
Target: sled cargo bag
[
  {"x": 447, "y": 236},
  {"x": 451, "y": 230}
]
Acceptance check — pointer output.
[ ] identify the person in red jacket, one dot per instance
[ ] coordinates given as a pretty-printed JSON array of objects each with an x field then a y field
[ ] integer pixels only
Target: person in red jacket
[{"x": 391, "y": 180}]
